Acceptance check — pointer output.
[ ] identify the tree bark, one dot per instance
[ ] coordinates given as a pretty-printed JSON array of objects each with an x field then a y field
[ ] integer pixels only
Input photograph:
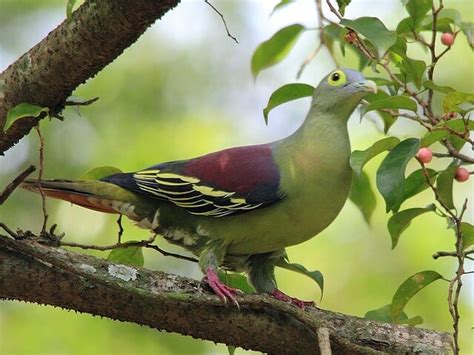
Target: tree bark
[
  {"x": 35, "y": 272},
  {"x": 97, "y": 33}
]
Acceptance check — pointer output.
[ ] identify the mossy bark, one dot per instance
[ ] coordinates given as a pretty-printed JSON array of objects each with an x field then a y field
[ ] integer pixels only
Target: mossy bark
[{"x": 33, "y": 272}]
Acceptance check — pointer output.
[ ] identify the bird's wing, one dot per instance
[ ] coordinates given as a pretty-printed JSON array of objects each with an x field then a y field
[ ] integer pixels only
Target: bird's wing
[{"x": 219, "y": 184}]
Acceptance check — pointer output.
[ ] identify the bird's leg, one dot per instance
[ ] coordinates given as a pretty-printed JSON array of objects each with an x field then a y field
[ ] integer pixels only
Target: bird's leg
[
  {"x": 279, "y": 295},
  {"x": 209, "y": 260},
  {"x": 224, "y": 292},
  {"x": 261, "y": 269}
]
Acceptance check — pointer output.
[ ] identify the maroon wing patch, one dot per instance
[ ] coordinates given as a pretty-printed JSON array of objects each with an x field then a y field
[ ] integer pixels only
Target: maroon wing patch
[{"x": 219, "y": 184}]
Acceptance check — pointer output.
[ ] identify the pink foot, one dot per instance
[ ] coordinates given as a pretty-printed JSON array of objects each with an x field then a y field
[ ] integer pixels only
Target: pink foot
[
  {"x": 291, "y": 300},
  {"x": 224, "y": 292}
]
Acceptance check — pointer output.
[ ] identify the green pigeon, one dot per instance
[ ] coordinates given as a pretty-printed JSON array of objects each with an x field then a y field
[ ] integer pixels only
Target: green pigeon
[{"x": 239, "y": 208}]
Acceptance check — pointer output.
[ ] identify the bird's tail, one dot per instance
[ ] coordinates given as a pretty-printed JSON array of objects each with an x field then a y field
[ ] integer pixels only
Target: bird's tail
[{"x": 90, "y": 194}]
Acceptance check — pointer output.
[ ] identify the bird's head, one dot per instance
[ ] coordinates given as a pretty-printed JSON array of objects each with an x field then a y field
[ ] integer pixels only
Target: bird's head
[{"x": 341, "y": 91}]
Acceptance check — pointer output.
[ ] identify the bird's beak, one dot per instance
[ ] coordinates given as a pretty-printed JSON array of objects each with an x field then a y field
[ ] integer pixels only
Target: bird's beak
[{"x": 368, "y": 86}]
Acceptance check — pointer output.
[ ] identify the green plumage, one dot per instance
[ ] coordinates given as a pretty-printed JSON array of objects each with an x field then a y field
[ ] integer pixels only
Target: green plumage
[{"x": 314, "y": 181}]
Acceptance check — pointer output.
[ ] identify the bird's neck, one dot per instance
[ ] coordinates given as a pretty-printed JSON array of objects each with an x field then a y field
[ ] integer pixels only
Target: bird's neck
[{"x": 322, "y": 136}]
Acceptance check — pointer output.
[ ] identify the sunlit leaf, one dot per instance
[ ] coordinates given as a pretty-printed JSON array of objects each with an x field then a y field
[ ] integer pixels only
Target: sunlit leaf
[
  {"x": 342, "y": 4},
  {"x": 409, "y": 288},
  {"x": 100, "y": 172},
  {"x": 417, "y": 9},
  {"x": 69, "y": 7},
  {"x": 391, "y": 173},
  {"x": 23, "y": 110},
  {"x": 236, "y": 280},
  {"x": 275, "y": 49},
  {"x": 129, "y": 256},
  {"x": 388, "y": 119},
  {"x": 316, "y": 275},
  {"x": 285, "y": 94},
  {"x": 383, "y": 314},
  {"x": 362, "y": 195},
  {"x": 468, "y": 29},
  {"x": 401, "y": 221},
  {"x": 280, "y": 5},
  {"x": 360, "y": 157},
  {"x": 432, "y": 86},
  {"x": 452, "y": 101},
  {"x": 467, "y": 231},
  {"x": 393, "y": 102},
  {"x": 444, "y": 185},
  {"x": 374, "y": 31}
]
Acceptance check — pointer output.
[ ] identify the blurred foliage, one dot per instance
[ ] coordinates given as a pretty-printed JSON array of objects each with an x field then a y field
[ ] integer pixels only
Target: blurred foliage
[{"x": 166, "y": 98}]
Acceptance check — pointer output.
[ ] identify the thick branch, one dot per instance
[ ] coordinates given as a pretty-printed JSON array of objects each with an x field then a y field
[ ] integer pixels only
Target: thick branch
[
  {"x": 35, "y": 272},
  {"x": 97, "y": 33}
]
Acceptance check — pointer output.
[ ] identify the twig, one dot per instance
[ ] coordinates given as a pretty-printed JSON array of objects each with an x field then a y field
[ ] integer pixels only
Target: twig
[
  {"x": 120, "y": 231},
  {"x": 15, "y": 183},
  {"x": 454, "y": 153},
  {"x": 8, "y": 230},
  {"x": 146, "y": 243},
  {"x": 81, "y": 103},
  {"x": 40, "y": 177},
  {"x": 223, "y": 20},
  {"x": 333, "y": 10},
  {"x": 324, "y": 341},
  {"x": 441, "y": 254},
  {"x": 309, "y": 59}
]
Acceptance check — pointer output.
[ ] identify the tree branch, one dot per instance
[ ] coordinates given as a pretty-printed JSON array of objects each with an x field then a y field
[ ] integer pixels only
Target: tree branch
[
  {"x": 34, "y": 272},
  {"x": 96, "y": 33}
]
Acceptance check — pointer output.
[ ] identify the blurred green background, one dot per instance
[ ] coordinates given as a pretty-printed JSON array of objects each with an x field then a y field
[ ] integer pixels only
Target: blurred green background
[{"x": 185, "y": 89}]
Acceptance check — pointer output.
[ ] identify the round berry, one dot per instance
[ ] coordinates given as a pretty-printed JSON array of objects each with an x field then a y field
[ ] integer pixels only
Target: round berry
[
  {"x": 447, "y": 39},
  {"x": 424, "y": 155},
  {"x": 462, "y": 174}
]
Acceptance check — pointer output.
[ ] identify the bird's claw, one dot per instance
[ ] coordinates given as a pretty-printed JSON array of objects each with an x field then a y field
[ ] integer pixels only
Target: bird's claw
[
  {"x": 277, "y": 294},
  {"x": 224, "y": 292}
]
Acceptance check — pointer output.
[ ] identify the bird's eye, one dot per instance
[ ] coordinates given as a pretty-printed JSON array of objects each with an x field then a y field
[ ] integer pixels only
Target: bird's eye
[{"x": 337, "y": 78}]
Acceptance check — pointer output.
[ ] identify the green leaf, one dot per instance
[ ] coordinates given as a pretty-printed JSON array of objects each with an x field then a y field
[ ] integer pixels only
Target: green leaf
[
  {"x": 231, "y": 349},
  {"x": 412, "y": 70},
  {"x": 360, "y": 157},
  {"x": 417, "y": 9},
  {"x": 331, "y": 33},
  {"x": 467, "y": 231},
  {"x": 285, "y": 94},
  {"x": 316, "y": 275},
  {"x": 388, "y": 119},
  {"x": 414, "y": 184},
  {"x": 21, "y": 111},
  {"x": 342, "y": 4},
  {"x": 455, "y": 98},
  {"x": 432, "y": 86},
  {"x": 362, "y": 195},
  {"x": 69, "y": 7},
  {"x": 100, "y": 172},
  {"x": 129, "y": 256},
  {"x": 409, "y": 288},
  {"x": 374, "y": 31},
  {"x": 383, "y": 314},
  {"x": 444, "y": 185},
  {"x": 393, "y": 102},
  {"x": 440, "y": 132},
  {"x": 275, "y": 49},
  {"x": 280, "y": 5},
  {"x": 391, "y": 173},
  {"x": 235, "y": 280},
  {"x": 401, "y": 221},
  {"x": 468, "y": 29},
  {"x": 380, "y": 81}
]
